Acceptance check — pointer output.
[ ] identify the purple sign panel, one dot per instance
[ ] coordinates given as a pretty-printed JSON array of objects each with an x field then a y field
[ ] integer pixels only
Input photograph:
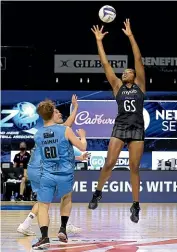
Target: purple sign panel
[
  {"x": 155, "y": 186},
  {"x": 97, "y": 117}
]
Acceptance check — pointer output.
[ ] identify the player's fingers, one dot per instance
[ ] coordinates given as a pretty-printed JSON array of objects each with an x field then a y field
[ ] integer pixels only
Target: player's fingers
[
  {"x": 102, "y": 28},
  {"x": 105, "y": 33},
  {"x": 94, "y": 27},
  {"x": 93, "y": 30}
]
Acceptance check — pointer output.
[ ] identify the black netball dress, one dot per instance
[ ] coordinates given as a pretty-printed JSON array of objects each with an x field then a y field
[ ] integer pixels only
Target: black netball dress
[{"x": 129, "y": 123}]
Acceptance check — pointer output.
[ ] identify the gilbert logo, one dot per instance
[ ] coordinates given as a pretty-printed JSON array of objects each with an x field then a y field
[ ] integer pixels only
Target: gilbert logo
[
  {"x": 88, "y": 63},
  {"x": 64, "y": 63},
  {"x": 127, "y": 92}
]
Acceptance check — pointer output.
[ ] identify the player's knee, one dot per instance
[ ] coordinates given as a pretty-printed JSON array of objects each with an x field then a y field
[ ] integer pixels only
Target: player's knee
[
  {"x": 110, "y": 163},
  {"x": 67, "y": 196},
  {"x": 43, "y": 205},
  {"x": 134, "y": 167}
]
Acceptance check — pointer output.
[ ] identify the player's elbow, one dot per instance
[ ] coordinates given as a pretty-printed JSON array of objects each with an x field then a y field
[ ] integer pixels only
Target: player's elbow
[{"x": 83, "y": 148}]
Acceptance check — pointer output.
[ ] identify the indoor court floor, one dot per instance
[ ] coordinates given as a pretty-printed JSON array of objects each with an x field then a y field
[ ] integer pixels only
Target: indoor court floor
[{"x": 108, "y": 228}]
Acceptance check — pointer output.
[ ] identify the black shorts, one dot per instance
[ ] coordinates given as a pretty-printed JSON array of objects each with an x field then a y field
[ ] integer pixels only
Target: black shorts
[{"x": 128, "y": 134}]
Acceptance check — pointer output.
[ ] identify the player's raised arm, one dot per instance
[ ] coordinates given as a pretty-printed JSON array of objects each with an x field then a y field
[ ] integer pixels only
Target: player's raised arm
[
  {"x": 112, "y": 78},
  {"x": 81, "y": 143},
  {"x": 72, "y": 117},
  {"x": 139, "y": 67}
]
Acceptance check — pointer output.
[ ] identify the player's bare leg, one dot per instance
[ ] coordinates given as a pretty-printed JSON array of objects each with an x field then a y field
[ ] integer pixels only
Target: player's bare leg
[
  {"x": 135, "y": 153},
  {"x": 24, "y": 228},
  {"x": 43, "y": 221},
  {"x": 70, "y": 228},
  {"x": 65, "y": 210},
  {"x": 114, "y": 149}
]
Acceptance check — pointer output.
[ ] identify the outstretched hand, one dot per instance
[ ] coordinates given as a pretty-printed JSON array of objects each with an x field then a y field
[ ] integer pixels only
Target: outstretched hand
[
  {"x": 99, "y": 34},
  {"x": 127, "y": 29},
  {"x": 85, "y": 156},
  {"x": 74, "y": 101}
]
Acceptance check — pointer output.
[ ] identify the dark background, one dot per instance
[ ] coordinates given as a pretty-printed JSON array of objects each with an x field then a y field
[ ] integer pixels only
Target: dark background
[{"x": 32, "y": 32}]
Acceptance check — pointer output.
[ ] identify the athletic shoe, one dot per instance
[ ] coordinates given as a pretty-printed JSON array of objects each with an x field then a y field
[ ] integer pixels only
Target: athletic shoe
[
  {"x": 94, "y": 202},
  {"x": 24, "y": 231},
  {"x": 134, "y": 213},
  {"x": 41, "y": 244},
  {"x": 62, "y": 235},
  {"x": 71, "y": 229}
]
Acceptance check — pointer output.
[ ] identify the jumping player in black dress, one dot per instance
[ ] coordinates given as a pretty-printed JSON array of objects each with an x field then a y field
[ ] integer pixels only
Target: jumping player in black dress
[{"x": 129, "y": 123}]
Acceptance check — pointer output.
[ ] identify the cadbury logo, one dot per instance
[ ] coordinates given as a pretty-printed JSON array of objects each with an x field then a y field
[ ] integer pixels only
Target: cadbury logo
[{"x": 84, "y": 118}]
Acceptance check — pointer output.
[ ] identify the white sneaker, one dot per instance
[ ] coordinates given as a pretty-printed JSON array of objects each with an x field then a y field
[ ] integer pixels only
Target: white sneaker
[
  {"x": 26, "y": 231},
  {"x": 73, "y": 229}
]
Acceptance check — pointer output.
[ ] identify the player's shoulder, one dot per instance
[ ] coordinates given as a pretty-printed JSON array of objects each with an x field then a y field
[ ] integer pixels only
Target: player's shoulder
[
  {"x": 61, "y": 127},
  {"x": 138, "y": 86},
  {"x": 65, "y": 130},
  {"x": 39, "y": 129}
]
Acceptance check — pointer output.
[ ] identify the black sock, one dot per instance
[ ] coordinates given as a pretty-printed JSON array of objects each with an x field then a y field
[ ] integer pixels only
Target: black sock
[
  {"x": 136, "y": 204},
  {"x": 44, "y": 231},
  {"x": 64, "y": 220},
  {"x": 97, "y": 193}
]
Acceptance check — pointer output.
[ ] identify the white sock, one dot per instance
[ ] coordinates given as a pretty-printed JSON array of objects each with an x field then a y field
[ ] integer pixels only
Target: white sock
[{"x": 28, "y": 221}]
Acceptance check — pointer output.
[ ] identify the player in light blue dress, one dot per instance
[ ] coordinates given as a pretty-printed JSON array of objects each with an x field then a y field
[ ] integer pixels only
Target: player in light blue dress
[
  {"x": 35, "y": 170},
  {"x": 56, "y": 148}
]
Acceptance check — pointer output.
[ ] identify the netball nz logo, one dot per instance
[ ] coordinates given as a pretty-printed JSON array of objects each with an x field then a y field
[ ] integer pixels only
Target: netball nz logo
[{"x": 23, "y": 115}]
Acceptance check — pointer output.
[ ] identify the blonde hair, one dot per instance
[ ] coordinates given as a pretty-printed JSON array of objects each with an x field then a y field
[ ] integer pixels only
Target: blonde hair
[{"x": 46, "y": 109}]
